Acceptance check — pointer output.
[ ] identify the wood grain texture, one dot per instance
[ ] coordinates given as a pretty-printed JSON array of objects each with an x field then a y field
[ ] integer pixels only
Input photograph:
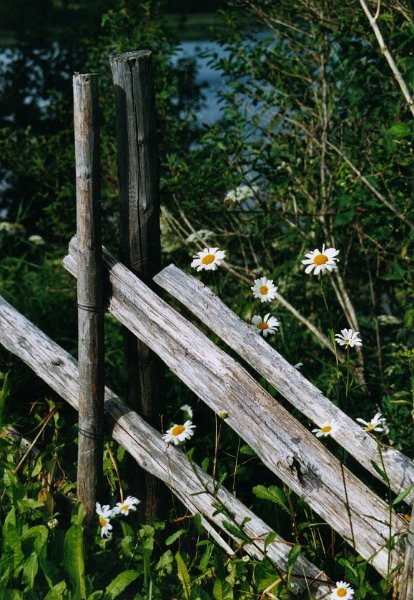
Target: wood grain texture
[
  {"x": 287, "y": 380},
  {"x": 192, "y": 485},
  {"x": 140, "y": 248},
  {"x": 89, "y": 291},
  {"x": 284, "y": 445}
]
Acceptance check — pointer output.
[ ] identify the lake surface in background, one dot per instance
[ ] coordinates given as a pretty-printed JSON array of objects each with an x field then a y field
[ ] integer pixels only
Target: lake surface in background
[
  {"x": 212, "y": 78},
  {"x": 206, "y": 75}
]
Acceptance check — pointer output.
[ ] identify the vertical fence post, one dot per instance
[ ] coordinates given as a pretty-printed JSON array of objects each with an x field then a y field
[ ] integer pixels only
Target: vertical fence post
[
  {"x": 90, "y": 303},
  {"x": 140, "y": 229}
]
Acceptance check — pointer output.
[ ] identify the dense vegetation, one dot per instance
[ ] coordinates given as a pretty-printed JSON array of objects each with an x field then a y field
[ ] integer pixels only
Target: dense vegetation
[{"x": 314, "y": 147}]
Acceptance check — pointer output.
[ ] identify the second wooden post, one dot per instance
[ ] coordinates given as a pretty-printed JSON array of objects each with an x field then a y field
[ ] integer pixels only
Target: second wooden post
[
  {"x": 90, "y": 304},
  {"x": 140, "y": 229}
]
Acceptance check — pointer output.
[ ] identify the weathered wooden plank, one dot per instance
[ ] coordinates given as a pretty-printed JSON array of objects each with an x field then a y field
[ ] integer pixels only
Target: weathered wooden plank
[
  {"x": 287, "y": 380},
  {"x": 89, "y": 291},
  {"x": 406, "y": 584},
  {"x": 140, "y": 248},
  {"x": 285, "y": 446},
  {"x": 192, "y": 485}
]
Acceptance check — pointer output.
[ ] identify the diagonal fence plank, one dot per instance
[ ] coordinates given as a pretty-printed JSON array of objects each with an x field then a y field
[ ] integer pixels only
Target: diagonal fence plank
[
  {"x": 287, "y": 380},
  {"x": 284, "y": 446},
  {"x": 192, "y": 485}
]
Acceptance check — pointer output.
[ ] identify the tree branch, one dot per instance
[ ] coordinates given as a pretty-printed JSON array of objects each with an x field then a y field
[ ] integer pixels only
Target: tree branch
[{"x": 387, "y": 54}]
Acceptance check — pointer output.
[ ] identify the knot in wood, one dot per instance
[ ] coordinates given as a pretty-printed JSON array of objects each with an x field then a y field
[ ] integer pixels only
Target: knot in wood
[{"x": 295, "y": 467}]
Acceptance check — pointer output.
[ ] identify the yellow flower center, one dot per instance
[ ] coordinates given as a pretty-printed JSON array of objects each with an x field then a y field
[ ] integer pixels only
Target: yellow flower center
[
  {"x": 370, "y": 427},
  {"x": 125, "y": 507},
  {"x": 208, "y": 259},
  {"x": 102, "y": 521},
  {"x": 177, "y": 429},
  {"x": 264, "y": 290},
  {"x": 263, "y": 325},
  {"x": 320, "y": 259},
  {"x": 326, "y": 429},
  {"x": 341, "y": 592}
]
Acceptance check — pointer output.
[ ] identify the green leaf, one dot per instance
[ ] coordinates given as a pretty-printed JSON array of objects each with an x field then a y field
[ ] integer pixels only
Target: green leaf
[
  {"x": 236, "y": 531},
  {"x": 401, "y": 496},
  {"x": 352, "y": 573},
  {"x": 222, "y": 590},
  {"x": 12, "y": 541},
  {"x": 265, "y": 576},
  {"x": 269, "y": 539},
  {"x": 74, "y": 560},
  {"x": 344, "y": 217},
  {"x": 204, "y": 560},
  {"x": 120, "y": 583},
  {"x": 382, "y": 473},
  {"x": 96, "y": 595},
  {"x": 199, "y": 594},
  {"x": 400, "y": 130},
  {"x": 127, "y": 544},
  {"x": 10, "y": 594},
  {"x": 294, "y": 555},
  {"x": 30, "y": 569},
  {"x": 56, "y": 593},
  {"x": 165, "y": 563},
  {"x": 197, "y": 523},
  {"x": 247, "y": 451},
  {"x": 40, "y": 534},
  {"x": 183, "y": 575},
  {"x": 273, "y": 494},
  {"x": 171, "y": 539}
]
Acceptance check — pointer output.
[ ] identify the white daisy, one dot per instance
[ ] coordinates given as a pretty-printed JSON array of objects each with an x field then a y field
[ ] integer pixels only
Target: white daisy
[
  {"x": 123, "y": 508},
  {"x": 104, "y": 513},
  {"x": 178, "y": 434},
  {"x": 377, "y": 423},
  {"x": 348, "y": 337},
  {"x": 188, "y": 410},
  {"x": 264, "y": 289},
  {"x": 326, "y": 429},
  {"x": 265, "y": 325},
  {"x": 342, "y": 590},
  {"x": 208, "y": 259},
  {"x": 320, "y": 261}
]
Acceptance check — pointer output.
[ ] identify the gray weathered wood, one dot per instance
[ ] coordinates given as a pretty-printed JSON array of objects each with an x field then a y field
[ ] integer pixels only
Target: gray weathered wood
[
  {"x": 287, "y": 380},
  {"x": 192, "y": 485},
  {"x": 284, "y": 445},
  {"x": 89, "y": 291},
  {"x": 140, "y": 248},
  {"x": 406, "y": 587}
]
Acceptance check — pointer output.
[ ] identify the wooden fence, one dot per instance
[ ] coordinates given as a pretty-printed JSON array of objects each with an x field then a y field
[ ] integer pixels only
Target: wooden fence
[{"x": 283, "y": 444}]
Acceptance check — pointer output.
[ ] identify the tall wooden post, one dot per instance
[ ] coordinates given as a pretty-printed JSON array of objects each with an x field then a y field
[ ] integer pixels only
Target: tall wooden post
[
  {"x": 90, "y": 304},
  {"x": 140, "y": 229}
]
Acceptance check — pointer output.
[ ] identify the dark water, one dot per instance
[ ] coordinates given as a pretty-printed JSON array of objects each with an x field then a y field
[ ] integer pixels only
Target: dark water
[
  {"x": 212, "y": 78},
  {"x": 206, "y": 75}
]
